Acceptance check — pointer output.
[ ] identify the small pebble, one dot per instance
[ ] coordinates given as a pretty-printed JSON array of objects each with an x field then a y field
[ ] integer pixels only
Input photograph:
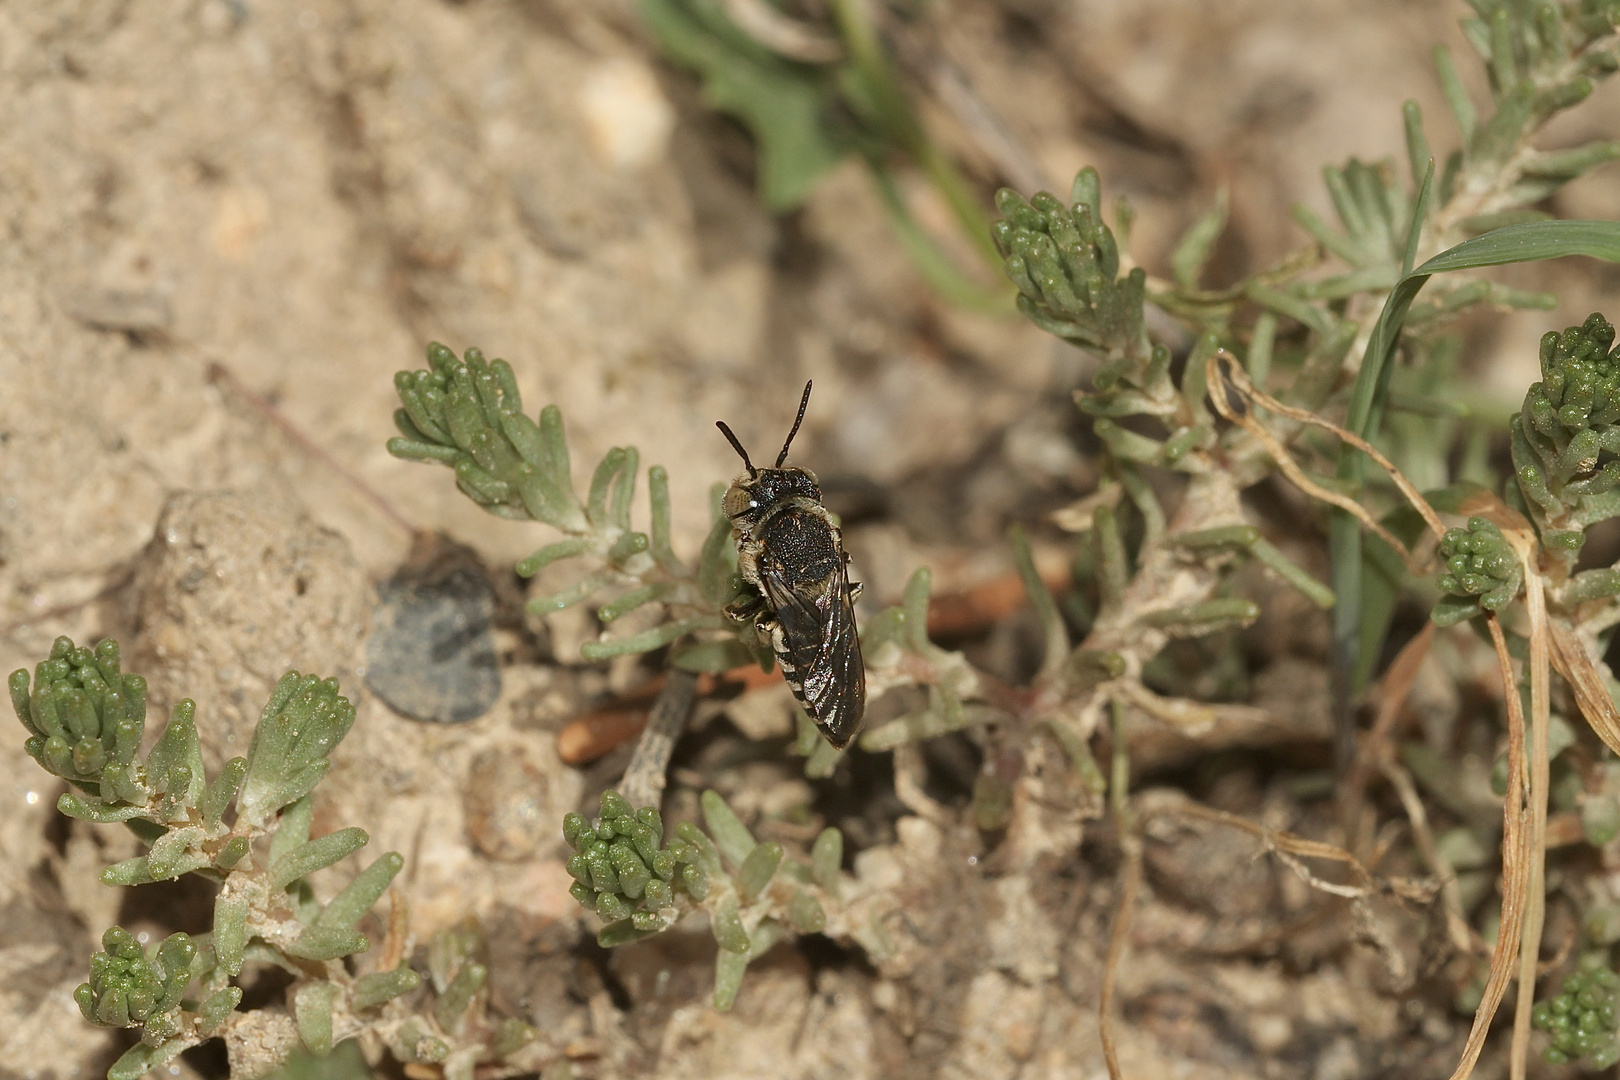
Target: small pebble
[
  {"x": 431, "y": 656},
  {"x": 627, "y": 117}
]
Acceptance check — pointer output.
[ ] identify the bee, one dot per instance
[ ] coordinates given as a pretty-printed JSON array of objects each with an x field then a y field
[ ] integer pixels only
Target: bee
[{"x": 799, "y": 598}]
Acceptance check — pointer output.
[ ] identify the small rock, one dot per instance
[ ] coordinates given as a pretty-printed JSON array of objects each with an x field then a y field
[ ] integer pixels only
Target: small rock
[
  {"x": 626, "y": 114},
  {"x": 431, "y": 656}
]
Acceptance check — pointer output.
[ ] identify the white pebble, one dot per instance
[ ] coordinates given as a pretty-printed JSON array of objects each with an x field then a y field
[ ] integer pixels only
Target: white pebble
[{"x": 626, "y": 114}]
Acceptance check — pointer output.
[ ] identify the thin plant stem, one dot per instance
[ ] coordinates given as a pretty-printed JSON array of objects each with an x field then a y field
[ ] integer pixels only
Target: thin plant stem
[
  {"x": 1375, "y": 751},
  {"x": 1540, "y": 783},
  {"x": 644, "y": 778},
  {"x": 1235, "y": 375},
  {"x": 1130, "y": 884},
  {"x": 1285, "y": 461},
  {"x": 1515, "y": 862}
]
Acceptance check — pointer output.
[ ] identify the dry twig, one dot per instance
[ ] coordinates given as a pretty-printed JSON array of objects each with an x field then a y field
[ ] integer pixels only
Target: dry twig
[
  {"x": 1540, "y": 784},
  {"x": 1130, "y": 841},
  {"x": 644, "y": 777},
  {"x": 1516, "y": 860},
  {"x": 1223, "y": 372},
  {"x": 1392, "y": 693}
]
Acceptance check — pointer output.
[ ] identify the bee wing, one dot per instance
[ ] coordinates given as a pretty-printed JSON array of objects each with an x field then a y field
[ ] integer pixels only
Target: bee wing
[{"x": 820, "y": 651}]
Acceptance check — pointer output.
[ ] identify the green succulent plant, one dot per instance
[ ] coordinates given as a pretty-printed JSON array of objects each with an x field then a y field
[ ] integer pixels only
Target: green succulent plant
[
  {"x": 85, "y": 720},
  {"x": 1582, "y": 1020},
  {"x": 130, "y": 987},
  {"x": 467, "y": 413},
  {"x": 1566, "y": 479},
  {"x": 1142, "y": 577},
  {"x": 623, "y": 871},
  {"x": 1570, "y": 421},
  {"x": 1482, "y": 572},
  {"x": 1065, "y": 262},
  {"x": 754, "y": 893}
]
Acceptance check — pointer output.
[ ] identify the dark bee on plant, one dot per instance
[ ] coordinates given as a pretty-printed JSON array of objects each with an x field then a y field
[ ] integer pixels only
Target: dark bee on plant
[{"x": 799, "y": 598}]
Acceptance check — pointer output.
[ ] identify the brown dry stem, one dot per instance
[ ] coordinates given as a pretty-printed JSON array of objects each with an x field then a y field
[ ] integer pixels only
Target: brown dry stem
[
  {"x": 1239, "y": 378},
  {"x": 1118, "y": 939},
  {"x": 1516, "y": 861},
  {"x": 1230, "y": 375},
  {"x": 1463, "y": 938},
  {"x": 1130, "y": 841},
  {"x": 1375, "y": 748},
  {"x": 1536, "y": 843},
  {"x": 1573, "y": 658},
  {"x": 1291, "y": 848}
]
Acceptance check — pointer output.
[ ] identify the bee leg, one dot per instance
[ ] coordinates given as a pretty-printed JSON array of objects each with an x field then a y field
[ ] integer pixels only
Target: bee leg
[
  {"x": 855, "y": 589},
  {"x": 770, "y": 631},
  {"x": 746, "y": 608}
]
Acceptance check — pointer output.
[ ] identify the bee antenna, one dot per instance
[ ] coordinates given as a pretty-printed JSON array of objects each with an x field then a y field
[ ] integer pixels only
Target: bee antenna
[
  {"x": 737, "y": 446},
  {"x": 804, "y": 403}
]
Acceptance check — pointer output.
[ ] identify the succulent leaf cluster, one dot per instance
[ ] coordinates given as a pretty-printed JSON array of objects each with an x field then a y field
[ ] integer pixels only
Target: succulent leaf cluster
[
  {"x": 467, "y": 413},
  {"x": 85, "y": 720},
  {"x": 1565, "y": 445},
  {"x": 1481, "y": 572},
  {"x": 302, "y": 723},
  {"x": 1067, "y": 265},
  {"x": 753, "y": 893},
  {"x": 1582, "y": 1020},
  {"x": 1540, "y": 59},
  {"x": 1065, "y": 262},
  {"x": 1566, "y": 438},
  {"x": 624, "y": 872},
  {"x": 130, "y": 987}
]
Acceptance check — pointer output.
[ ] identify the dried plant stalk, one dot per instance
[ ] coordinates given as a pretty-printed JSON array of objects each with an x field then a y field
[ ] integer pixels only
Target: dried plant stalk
[
  {"x": 1285, "y": 462},
  {"x": 1130, "y": 840},
  {"x": 1517, "y": 857},
  {"x": 1237, "y": 377},
  {"x": 1536, "y": 842},
  {"x": 1576, "y": 664}
]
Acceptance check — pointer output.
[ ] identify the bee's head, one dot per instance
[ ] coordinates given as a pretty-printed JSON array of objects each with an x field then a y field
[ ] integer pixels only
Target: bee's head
[
  {"x": 751, "y": 495},
  {"x": 758, "y": 489}
]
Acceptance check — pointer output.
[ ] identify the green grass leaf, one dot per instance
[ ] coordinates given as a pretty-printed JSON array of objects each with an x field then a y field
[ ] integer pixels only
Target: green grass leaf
[{"x": 786, "y": 106}]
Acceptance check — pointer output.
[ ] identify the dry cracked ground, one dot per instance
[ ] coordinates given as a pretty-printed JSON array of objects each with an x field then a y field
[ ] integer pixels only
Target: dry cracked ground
[{"x": 306, "y": 193}]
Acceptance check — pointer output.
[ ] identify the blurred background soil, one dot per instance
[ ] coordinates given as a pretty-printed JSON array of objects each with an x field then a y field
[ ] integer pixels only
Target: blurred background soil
[{"x": 308, "y": 192}]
